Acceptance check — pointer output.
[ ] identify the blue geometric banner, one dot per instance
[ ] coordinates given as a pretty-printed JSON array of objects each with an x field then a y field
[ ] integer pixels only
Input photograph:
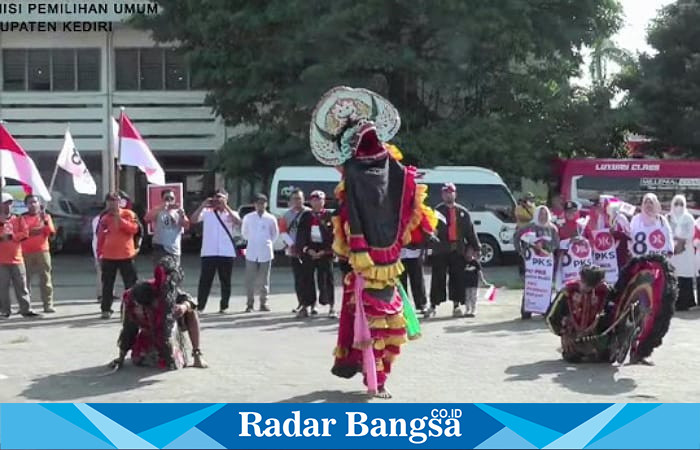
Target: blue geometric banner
[{"x": 349, "y": 426}]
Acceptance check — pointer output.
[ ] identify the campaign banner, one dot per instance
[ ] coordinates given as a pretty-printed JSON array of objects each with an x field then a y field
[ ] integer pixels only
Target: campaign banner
[
  {"x": 605, "y": 254},
  {"x": 654, "y": 241},
  {"x": 539, "y": 273},
  {"x": 577, "y": 253},
  {"x": 349, "y": 426},
  {"x": 153, "y": 196}
]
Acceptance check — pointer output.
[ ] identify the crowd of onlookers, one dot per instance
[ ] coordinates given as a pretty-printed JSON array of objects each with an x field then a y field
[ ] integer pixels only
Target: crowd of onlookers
[
  {"x": 307, "y": 232},
  {"x": 637, "y": 231}
]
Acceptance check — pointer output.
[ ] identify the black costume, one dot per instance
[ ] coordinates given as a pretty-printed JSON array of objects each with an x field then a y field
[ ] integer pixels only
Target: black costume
[
  {"x": 450, "y": 257},
  {"x": 319, "y": 241}
]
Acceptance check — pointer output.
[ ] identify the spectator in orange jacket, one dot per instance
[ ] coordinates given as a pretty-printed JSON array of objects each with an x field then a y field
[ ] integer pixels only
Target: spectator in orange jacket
[
  {"x": 13, "y": 230},
  {"x": 37, "y": 257},
  {"x": 116, "y": 249}
]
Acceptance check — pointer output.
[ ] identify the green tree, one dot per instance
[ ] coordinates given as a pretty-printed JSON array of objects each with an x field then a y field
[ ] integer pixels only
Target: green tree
[
  {"x": 664, "y": 89},
  {"x": 605, "y": 51},
  {"x": 482, "y": 83}
]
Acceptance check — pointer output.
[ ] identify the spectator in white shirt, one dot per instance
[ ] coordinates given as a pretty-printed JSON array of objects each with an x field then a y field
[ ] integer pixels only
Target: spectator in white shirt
[
  {"x": 218, "y": 248},
  {"x": 260, "y": 230}
]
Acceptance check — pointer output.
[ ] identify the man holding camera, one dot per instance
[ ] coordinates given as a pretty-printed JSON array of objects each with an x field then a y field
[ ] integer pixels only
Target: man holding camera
[
  {"x": 218, "y": 248},
  {"x": 116, "y": 248},
  {"x": 169, "y": 222}
]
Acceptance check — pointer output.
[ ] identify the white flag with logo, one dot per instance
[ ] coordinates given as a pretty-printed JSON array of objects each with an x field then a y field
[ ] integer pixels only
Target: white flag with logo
[{"x": 69, "y": 160}]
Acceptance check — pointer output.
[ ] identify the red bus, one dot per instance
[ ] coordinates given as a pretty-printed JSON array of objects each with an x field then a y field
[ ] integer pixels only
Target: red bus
[{"x": 629, "y": 179}]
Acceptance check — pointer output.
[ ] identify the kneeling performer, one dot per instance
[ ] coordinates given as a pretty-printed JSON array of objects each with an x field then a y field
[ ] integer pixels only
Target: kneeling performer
[{"x": 155, "y": 316}]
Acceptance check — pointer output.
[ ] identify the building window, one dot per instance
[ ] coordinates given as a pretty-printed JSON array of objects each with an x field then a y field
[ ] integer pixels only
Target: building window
[
  {"x": 39, "y": 63},
  {"x": 51, "y": 70},
  {"x": 151, "y": 69},
  {"x": 63, "y": 66},
  {"x": 14, "y": 65},
  {"x": 88, "y": 69},
  {"x": 151, "y": 60},
  {"x": 175, "y": 71},
  {"x": 126, "y": 66}
]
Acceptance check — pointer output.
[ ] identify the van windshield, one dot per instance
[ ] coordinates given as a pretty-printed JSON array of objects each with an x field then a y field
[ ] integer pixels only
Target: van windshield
[
  {"x": 286, "y": 187},
  {"x": 492, "y": 198}
]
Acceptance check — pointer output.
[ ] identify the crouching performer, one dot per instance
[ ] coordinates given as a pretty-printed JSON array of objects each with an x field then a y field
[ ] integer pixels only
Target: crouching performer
[
  {"x": 598, "y": 323},
  {"x": 156, "y": 318}
]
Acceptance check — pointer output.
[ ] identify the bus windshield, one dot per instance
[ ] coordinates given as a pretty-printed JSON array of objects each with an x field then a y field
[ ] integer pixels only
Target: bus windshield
[{"x": 632, "y": 189}]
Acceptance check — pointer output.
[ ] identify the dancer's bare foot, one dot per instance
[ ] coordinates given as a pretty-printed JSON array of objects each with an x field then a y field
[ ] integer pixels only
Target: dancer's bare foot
[
  {"x": 199, "y": 360},
  {"x": 383, "y": 393}
]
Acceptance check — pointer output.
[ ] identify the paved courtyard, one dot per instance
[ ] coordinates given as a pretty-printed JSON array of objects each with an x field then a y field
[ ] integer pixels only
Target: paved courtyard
[{"x": 273, "y": 357}]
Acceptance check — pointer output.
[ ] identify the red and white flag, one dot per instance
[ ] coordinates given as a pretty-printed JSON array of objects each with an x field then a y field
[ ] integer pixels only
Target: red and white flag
[
  {"x": 135, "y": 151},
  {"x": 17, "y": 165},
  {"x": 69, "y": 160}
]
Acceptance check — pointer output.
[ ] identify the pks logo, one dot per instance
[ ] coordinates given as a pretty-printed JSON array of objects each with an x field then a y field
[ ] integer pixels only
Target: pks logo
[
  {"x": 657, "y": 239},
  {"x": 604, "y": 241},
  {"x": 580, "y": 249}
]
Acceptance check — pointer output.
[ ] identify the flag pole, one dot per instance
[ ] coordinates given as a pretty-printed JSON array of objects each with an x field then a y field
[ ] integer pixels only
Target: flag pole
[
  {"x": 2, "y": 178},
  {"x": 119, "y": 149},
  {"x": 55, "y": 169}
]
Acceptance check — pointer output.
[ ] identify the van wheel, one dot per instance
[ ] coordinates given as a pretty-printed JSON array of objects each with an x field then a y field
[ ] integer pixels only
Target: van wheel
[{"x": 490, "y": 252}]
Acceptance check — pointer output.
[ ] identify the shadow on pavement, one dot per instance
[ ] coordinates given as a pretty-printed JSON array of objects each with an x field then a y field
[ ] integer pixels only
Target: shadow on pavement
[
  {"x": 594, "y": 379},
  {"x": 88, "y": 382},
  {"x": 693, "y": 314},
  {"x": 71, "y": 320},
  {"x": 329, "y": 397},
  {"x": 514, "y": 325},
  {"x": 275, "y": 321}
]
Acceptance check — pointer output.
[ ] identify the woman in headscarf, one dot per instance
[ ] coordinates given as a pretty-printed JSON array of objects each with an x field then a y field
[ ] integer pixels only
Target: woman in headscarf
[
  {"x": 683, "y": 259},
  {"x": 540, "y": 237},
  {"x": 651, "y": 233}
]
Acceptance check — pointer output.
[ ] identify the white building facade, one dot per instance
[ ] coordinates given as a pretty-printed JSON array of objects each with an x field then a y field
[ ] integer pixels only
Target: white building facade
[{"x": 52, "y": 80}]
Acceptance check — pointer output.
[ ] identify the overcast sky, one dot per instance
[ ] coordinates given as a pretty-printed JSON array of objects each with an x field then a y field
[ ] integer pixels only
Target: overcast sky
[{"x": 637, "y": 13}]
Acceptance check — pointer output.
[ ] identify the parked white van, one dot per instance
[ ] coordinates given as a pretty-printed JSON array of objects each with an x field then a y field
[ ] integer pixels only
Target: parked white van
[{"x": 481, "y": 190}]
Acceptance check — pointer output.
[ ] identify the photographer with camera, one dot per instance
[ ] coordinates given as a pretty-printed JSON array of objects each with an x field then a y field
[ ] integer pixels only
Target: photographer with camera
[{"x": 218, "y": 248}]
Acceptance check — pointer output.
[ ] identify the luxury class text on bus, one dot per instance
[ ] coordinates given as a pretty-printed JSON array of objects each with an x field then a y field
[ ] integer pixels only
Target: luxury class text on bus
[{"x": 580, "y": 180}]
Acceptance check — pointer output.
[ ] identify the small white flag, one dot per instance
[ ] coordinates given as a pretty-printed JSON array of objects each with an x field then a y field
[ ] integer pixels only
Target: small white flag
[{"x": 69, "y": 160}]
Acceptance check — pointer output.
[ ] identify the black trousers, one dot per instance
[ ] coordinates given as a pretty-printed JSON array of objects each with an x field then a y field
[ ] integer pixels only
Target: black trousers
[
  {"x": 452, "y": 264},
  {"x": 211, "y": 265},
  {"x": 298, "y": 273},
  {"x": 414, "y": 273},
  {"x": 126, "y": 269},
  {"x": 686, "y": 296},
  {"x": 323, "y": 270}
]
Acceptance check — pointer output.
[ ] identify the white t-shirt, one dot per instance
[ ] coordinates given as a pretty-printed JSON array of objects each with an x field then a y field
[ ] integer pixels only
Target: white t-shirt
[
  {"x": 410, "y": 253},
  {"x": 261, "y": 231},
  {"x": 649, "y": 239},
  {"x": 215, "y": 240}
]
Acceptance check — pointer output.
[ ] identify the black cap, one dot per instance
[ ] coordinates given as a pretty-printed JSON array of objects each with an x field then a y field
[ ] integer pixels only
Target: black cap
[
  {"x": 260, "y": 198},
  {"x": 568, "y": 206}
]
